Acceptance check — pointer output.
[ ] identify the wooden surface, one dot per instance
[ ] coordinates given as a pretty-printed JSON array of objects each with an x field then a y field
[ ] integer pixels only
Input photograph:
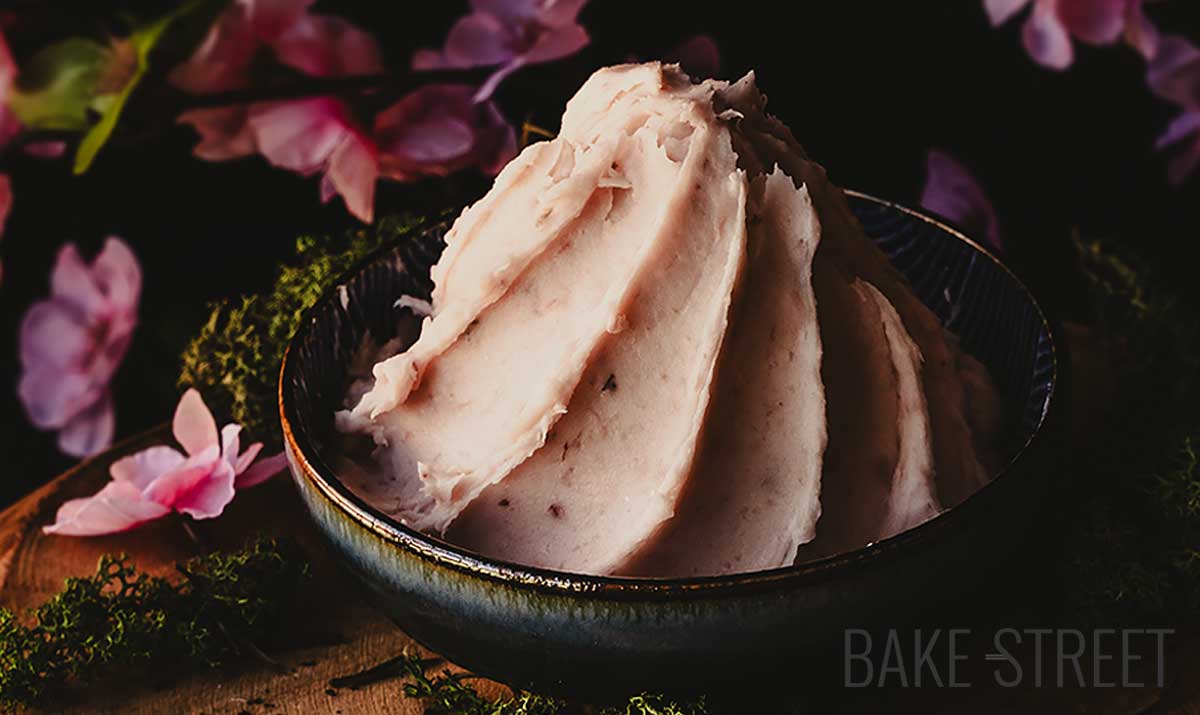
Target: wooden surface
[{"x": 337, "y": 634}]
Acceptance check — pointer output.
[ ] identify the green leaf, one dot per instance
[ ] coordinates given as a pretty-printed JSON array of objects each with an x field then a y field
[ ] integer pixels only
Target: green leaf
[
  {"x": 57, "y": 86},
  {"x": 141, "y": 42}
]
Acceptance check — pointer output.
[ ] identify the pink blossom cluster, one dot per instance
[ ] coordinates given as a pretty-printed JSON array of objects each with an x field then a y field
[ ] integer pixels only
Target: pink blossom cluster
[
  {"x": 1173, "y": 61},
  {"x": 435, "y": 130},
  {"x": 1174, "y": 75},
  {"x": 1052, "y": 24}
]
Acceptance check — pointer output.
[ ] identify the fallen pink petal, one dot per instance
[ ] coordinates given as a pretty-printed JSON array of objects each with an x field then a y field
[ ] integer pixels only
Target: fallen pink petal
[{"x": 199, "y": 481}]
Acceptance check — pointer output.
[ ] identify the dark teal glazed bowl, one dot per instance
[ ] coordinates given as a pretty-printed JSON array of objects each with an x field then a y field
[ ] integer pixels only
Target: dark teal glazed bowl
[{"x": 600, "y": 637}]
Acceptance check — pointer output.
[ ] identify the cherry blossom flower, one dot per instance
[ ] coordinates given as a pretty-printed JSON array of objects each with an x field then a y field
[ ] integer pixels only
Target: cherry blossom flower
[
  {"x": 1174, "y": 75},
  {"x": 72, "y": 344},
  {"x": 1051, "y": 24},
  {"x": 319, "y": 134},
  {"x": 222, "y": 62},
  {"x": 307, "y": 135},
  {"x": 433, "y": 131},
  {"x": 437, "y": 130},
  {"x": 199, "y": 481},
  {"x": 953, "y": 193},
  {"x": 508, "y": 34}
]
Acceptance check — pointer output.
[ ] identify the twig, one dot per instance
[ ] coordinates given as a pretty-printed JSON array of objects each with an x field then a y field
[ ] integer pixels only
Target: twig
[
  {"x": 193, "y": 530},
  {"x": 318, "y": 86},
  {"x": 388, "y": 669}
]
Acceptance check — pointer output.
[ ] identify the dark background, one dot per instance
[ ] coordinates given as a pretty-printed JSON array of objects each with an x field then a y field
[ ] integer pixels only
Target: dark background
[{"x": 867, "y": 85}]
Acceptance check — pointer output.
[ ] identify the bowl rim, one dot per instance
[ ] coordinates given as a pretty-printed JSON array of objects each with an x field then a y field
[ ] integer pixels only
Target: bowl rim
[{"x": 442, "y": 553}]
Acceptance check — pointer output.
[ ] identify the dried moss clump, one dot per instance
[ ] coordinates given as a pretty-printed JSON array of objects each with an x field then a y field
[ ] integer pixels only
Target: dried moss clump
[
  {"x": 120, "y": 619},
  {"x": 234, "y": 360}
]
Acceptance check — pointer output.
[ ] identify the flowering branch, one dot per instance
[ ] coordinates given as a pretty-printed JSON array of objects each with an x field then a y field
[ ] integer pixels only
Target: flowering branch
[{"x": 329, "y": 86}]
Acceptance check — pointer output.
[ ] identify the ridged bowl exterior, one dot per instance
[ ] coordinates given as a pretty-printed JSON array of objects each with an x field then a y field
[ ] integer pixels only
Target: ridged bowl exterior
[{"x": 596, "y": 636}]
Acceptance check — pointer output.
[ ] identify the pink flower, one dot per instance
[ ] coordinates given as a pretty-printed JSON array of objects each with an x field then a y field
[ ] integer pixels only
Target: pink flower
[
  {"x": 222, "y": 62},
  {"x": 433, "y": 131},
  {"x": 5, "y": 205},
  {"x": 313, "y": 135},
  {"x": 437, "y": 130},
  {"x": 1174, "y": 75},
  {"x": 9, "y": 125},
  {"x": 953, "y": 193},
  {"x": 509, "y": 34},
  {"x": 72, "y": 344},
  {"x": 1052, "y": 23},
  {"x": 199, "y": 482},
  {"x": 306, "y": 136}
]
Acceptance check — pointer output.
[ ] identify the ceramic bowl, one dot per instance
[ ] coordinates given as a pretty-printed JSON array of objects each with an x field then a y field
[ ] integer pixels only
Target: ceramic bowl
[{"x": 587, "y": 635}]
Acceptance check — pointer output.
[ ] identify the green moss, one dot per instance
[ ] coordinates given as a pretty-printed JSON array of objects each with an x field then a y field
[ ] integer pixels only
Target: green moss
[
  {"x": 234, "y": 360},
  {"x": 1131, "y": 553},
  {"x": 449, "y": 693},
  {"x": 120, "y": 619}
]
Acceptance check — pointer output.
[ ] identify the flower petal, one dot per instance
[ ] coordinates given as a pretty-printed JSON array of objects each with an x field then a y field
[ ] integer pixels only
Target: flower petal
[
  {"x": 1183, "y": 164},
  {"x": 262, "y": 470},
  {"x": 1046, "y": 39},
  {"x": 426, "y": 133},
  {"x": 5, "y": 200},
  {"x": 299, "y": 135},
  {"x": 557, "y": 43},
  {"x": 116, "y": 507},
  {"x": 327, "y": 46},
  {"x": 230, "y": 443},
  {"x": 479, "y": 40},
  {"x": 224, "y": 132},
  {"x": 1098, "y": 22},
  {"x": 89, "y": 432},
  {"x": 172, "y": 487},
  {"x": 435, "y": 139},
  {"x": 52, "y": 336},
  {"x": 489, "y": 86},
  {"x": 1000, "y": 11},
  {"x": 1174, "y": 73},
  {"x": 45, "y": 149},
  {"x": 1140, "y": 33},
  {"x": 952, "y": 192},
  {"x": 223, "y": 59},
  {"x": 119, "y": 275},
  {"x": 72, "y": 284},
  {"x": 208, "y": 497},
  {"x": 52, "y": 397},
  {"x": 270, "y": 18},
  {"x": 194, "y": 426},
  {"x": 352, "y": 172},
  {"x": 245, "y": 459},
  {"x": 1180, "y": 127},
  {"x": 551, "y": 13},
  {"x": 142, "y": 468}
]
